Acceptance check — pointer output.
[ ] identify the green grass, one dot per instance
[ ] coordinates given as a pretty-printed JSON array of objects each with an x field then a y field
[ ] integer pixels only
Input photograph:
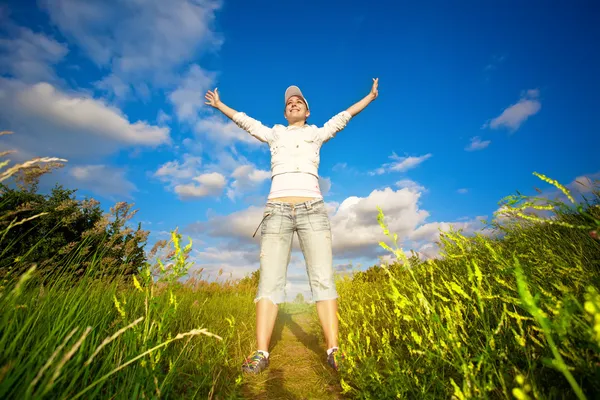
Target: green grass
[
  {"x": 516, "y": 316},
  {"x": 35, "y": 324},
  {"x": 510, "y": 315}
]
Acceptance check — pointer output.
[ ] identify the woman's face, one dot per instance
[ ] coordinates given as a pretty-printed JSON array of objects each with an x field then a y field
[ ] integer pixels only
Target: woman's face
[{"x": 295, "y": 109}]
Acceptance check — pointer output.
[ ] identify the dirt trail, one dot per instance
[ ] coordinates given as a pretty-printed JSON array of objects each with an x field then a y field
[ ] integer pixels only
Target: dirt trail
[{"x": 298, "y": 367}]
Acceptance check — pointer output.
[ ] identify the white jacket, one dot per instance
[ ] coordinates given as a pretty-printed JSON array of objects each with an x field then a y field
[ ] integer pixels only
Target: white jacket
[{"x": 293, "y": 148}]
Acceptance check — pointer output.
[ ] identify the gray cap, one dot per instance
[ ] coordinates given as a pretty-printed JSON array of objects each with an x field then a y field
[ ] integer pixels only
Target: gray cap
[{"x": 295, "y": 91}]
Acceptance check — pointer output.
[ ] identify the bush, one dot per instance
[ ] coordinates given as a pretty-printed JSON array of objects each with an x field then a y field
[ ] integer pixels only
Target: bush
[{"x": 62, "y": 235}]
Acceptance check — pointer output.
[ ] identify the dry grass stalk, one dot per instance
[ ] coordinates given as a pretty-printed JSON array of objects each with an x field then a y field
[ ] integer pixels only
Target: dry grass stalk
[
  {"x": 49, "y": 362},
  {"x": 7, "y": 152},
  {"x": 68, "y": 356},
  {"x": 28, "y": 164},
  {"x": 111, "y": 338}
]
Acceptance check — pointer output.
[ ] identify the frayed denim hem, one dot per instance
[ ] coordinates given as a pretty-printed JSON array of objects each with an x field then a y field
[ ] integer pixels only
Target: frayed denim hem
[
  {"x": 276, "y": 301},
  {"x": 325, "y": 296}
]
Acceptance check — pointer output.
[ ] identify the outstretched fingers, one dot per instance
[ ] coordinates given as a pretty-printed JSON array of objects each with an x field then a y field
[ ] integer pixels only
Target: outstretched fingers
[
  {"x": 212, "y": 97},
  {"x": 374, "y": 89}
]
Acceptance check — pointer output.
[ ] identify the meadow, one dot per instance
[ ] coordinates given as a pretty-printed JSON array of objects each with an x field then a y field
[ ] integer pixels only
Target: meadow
[{"x": 511, "y": 312}]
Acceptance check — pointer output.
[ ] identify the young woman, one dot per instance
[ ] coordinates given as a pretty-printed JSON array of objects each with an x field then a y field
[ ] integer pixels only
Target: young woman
[{"x": 294, "y": 204}]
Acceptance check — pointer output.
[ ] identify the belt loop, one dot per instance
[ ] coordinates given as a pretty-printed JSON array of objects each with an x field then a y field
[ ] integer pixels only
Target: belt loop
[{"x": 309, "y": 205}]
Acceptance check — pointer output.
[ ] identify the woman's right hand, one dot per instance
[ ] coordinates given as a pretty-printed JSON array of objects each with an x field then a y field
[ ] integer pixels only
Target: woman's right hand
[{"x": 213, "y": 98}]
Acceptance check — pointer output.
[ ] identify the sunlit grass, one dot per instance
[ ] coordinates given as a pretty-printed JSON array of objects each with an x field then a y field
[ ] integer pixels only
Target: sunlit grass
[
  {"x": 67, "y": 342},
  {"x": 513, "y": 313},
  {"x": 513, "y": 316}
]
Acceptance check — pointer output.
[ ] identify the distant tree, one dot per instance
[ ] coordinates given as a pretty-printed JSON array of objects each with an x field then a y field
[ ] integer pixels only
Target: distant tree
[{"x": 299, "y": 298}]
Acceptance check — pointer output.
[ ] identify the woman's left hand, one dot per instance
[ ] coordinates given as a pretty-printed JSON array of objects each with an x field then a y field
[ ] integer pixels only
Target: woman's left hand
[{"x": 374, "y": 90}]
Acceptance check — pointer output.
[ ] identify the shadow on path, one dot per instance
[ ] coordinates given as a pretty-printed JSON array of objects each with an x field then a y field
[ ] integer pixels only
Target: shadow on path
[
  {"x": 309, "y": 340},
  {"x": 298, "y": 368}
]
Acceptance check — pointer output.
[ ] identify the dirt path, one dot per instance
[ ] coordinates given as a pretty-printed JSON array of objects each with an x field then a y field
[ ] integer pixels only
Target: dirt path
[{"x": 298, "y": 369}]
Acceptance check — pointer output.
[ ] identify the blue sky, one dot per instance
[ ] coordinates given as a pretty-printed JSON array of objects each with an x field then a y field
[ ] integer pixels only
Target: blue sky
[{"x": 472, "y": 100}]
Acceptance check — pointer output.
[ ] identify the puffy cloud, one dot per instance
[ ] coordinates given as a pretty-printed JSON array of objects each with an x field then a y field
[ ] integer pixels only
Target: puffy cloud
[
  {"x": 188, "y": 98},
  {"x": 355, "y": 234},
  {"x": 210, "y": 184},
  {"x": 48, "y": 120},
  {"x": 239, "y": 225},
  {"x": 355, "y": 230},
  {"x": 29, "y": 56},
  {"x": 222, "y": 132},
  {"x": 177, "y": 172},
  {"x": 140, "y": 42},
  {"x": 246, "y": 177},
  {"x": 102, "y": 179},
  {"x": 410, "y": 185}
]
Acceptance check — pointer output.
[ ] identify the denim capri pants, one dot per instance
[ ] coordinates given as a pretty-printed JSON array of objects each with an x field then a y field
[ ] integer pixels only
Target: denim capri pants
[{"x": 311, "y": 222}]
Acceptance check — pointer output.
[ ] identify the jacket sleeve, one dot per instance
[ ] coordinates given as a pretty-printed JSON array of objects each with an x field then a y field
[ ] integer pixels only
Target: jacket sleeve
[
  {"x": 334, "y": 125},
  {"x": 253, "y": 127}
]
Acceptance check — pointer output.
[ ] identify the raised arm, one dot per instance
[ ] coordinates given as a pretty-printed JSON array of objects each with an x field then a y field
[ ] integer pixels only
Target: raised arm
[
  {"x": 214, "y": 100},
  {"x": 339, "y": 121},
  {"x": 250, "y": 125},
  {"x": 361, "y": 104}
]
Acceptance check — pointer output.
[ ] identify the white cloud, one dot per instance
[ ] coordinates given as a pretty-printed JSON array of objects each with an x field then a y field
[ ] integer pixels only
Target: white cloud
[
  {"x": 410, "y": 185},
  {"x": 246, "y": 177},
  {"x": 513, "y": 116},
  {"x": 103, "y": 180},
  {"x": 355, "y": 233},
  {"x": 210, "y": 184},
  {"x": 463, "y": 190},
  {"x": 176, "y": 172},
  {"x": 114, "y": 85},
  {"x": 235, "y": 263},
  {"x": 183, "y": 175},
  {"x": 70, "y": 124},
  {"x": 400, "y": 164},
  {"x": 223, "y": 133},
  {"x": 239, "y": 225},
  {"x": 354, "y": 225},
  {"x": 430, "y": 232},
  {"x": 188, "y": 98},
  {"x": 29, "y": 56},
  {"x": 139, "y": 41},
  {"x": 355, "y": 230},
  {"x": 477, "y": 144}
]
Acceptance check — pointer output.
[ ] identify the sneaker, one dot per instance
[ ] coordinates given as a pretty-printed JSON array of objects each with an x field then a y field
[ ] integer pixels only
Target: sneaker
[
  {"x": 335, "y": 358},
  {"x": 255, "y": 363}
]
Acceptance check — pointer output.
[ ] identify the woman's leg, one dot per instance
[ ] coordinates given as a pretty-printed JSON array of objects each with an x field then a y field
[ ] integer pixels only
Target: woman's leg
[
  {"x": 314, "y": 234},
  {"x": 327, "y": 310},
  {"x": 266, "y": 314},
  {"x": 275, "y": 252}
]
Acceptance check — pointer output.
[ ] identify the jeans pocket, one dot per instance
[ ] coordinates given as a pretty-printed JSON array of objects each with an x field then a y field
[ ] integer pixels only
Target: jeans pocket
[
  {"x": 318, "y": 218},
  {"x": 272, "y": 220}
]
